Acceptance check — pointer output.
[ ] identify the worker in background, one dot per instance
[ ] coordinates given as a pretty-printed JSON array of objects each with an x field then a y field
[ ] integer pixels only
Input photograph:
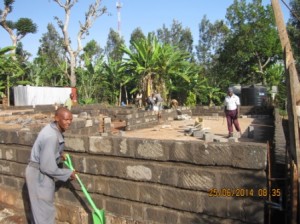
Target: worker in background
[
  {"x": 232, "y": 111},
  {"x": 174, "y": 104},
  {"x": 138, "y": 99},
  {"x": 69, "y": 102},
  {"x": 158, "y": 100}
]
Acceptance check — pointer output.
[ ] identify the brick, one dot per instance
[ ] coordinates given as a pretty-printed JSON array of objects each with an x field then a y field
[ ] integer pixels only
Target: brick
[
  {"x": 123, "y": 146},
  {"x": 77, "y": 143},
  {"x": 161, "y": 215},
  {"x": 149, "y": 193},
  {"x": 193, "y": 218},
  {"x": 138, "y": 172},
  {"x": 241, "y": 179},
  {"x": 23, "y": 155},
  {"x": 100, "y": 145},
  {"x": 119, "y": 207},
  {"x": 184, "y": 200},
  {"x": 150, "y": 149},
  {"x": 138, "y": 212},
  {"x": 208, "y": 137},
  {"x": 123, "y": 189},
  {"x": 96, "y": 164},
  {"x": 102, "y": 185},
  {"x": 5, "y": 167},
  {"x": 10, "y": 182},
  {"x": 24, "y": 138},
  {"x": 196, "y": 179},
  {"x": 67, "y": 212},
  {"x": 17, "y": 169}
]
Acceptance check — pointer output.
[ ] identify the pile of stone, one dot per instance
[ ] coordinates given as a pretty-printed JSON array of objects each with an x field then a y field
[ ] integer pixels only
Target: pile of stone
[{"x": 204, "y": 133}]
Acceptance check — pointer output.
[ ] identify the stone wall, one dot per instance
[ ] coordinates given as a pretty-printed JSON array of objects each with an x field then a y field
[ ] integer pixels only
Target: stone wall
[
  {"x": 147, "y": 181},
  {"x": 244, "y": 110}
]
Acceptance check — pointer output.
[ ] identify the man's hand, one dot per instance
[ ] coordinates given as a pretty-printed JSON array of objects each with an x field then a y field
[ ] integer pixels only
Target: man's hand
[
  {"x": 63, "y": 157},
  {"x": 73, "y": 175}
]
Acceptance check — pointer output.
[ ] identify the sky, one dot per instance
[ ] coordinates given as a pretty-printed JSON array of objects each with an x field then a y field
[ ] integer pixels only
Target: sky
[{"x": 149, "y": 15}]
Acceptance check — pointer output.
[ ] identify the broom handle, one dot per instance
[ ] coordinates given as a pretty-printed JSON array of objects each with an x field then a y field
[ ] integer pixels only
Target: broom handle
[{"x": 69, "y": 164}]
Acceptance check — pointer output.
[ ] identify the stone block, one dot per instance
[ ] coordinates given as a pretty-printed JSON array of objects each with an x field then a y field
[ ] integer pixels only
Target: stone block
[
  {"x": 196, "y": 179},
  {"x": 89, "y": 123},
  {"x": 250, "y": 156},
  {"x": 233, "y": 139},
  {"x": 160, "y": 215},
  {"x": 17, "y": 169},
  {"x": 185, "y": 200},
  {"x": 78, "y": 123},
  {"x": 220, "y": 139},
  {"x": 199, "y": 133},
  {"x": 139, "y": 172},
  {"x": 241, "y": 179},
  {"x": 123, "y": 189},
  {"x": 102, "y": 185},
  {"x": 150, "y": 194},
  {"x": 100, "y": 145},
  {"x": 77, "y": 143},
  {"x": 209, "y": 137},
  {"x": 70, "y": 213},
  {"x": 22, "y": 155},
  {"x": 137, "y": 213},
  {"x": 5, "y": 167},
  {"x": 150, "y": 149},
  {"x": 118, "y": 207}
]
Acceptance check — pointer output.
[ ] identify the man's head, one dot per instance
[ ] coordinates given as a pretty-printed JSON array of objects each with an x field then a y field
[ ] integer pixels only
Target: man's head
[
  {"x": 63, "y": 118},
  {"x": 230, "y": 91}
]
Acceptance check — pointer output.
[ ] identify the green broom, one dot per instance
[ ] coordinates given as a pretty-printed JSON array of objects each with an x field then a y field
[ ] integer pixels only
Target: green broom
[{"x": 98, "y": 215}]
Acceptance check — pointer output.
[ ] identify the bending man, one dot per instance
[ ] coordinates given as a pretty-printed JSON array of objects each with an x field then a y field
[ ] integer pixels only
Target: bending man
[{"x": 43, "y": 170}]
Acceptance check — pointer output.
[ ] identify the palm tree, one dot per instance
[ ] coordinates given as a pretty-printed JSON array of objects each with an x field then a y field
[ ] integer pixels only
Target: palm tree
[{"x": 155, "y": 65}]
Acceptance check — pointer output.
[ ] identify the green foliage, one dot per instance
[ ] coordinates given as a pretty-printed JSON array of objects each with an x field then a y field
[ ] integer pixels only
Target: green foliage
[
  {"x": 157, "y": 66},
  {"x": 113, "y": 46},
  {"x": 176, "y": 36},
  {"x": 191, "y": 99},
  {"x": 92, "y": 81},
  {"x": 251, "y": 46},
  {"x": 25, "y": 26},
  {"x": 10, "y": 70}
]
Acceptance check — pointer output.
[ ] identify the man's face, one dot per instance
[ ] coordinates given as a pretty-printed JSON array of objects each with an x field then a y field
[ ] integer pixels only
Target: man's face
[
  {"x": 64, "y": 120},
  {"x": 230, "y": 93}
]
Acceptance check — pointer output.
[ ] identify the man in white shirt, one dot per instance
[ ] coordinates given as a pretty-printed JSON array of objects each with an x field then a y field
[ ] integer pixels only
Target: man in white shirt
[{"x": 232, "y": 111}]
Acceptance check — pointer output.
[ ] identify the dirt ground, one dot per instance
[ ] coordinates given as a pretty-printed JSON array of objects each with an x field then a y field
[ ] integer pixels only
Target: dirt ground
[{"x": 176, "y": 129}]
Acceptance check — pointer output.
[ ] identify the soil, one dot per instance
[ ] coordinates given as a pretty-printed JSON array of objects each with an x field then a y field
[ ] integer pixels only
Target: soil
[{"x": 176, "y": 129}]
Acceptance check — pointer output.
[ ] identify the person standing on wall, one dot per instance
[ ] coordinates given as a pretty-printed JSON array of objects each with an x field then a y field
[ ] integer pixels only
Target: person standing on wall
[
  {"x": 139, "y": 97},
  {"x": 69, "y": 102},
  {"x": 232, "y": 111},
  {"x": 42, "y": 170},
  {"x": 159, "y": 100}
]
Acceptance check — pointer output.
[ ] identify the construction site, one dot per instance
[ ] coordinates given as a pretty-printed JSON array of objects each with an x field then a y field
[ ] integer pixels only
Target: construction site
[
  {"x": 171, "y": 166},
  {"x": 175, "y": 166}
]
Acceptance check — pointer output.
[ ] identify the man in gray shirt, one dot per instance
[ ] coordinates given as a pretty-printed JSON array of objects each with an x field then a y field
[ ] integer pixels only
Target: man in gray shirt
[{"x": 43, "y": 170}]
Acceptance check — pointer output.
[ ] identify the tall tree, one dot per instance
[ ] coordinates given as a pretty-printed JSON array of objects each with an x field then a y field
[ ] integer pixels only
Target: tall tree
[
  {"x": 16, "y": 30},
  {"x": 135, "y": 36},
  {"x": 253, "y": 44},
  {"x": 156, "y": 65},
  {"x": 50, "y": 59},
  {"x": 92, "y": 14},
  {"x": 113, "y": 46},
  {"x": 177, "y": 36},
  {"x": 211, "y": 40}
]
